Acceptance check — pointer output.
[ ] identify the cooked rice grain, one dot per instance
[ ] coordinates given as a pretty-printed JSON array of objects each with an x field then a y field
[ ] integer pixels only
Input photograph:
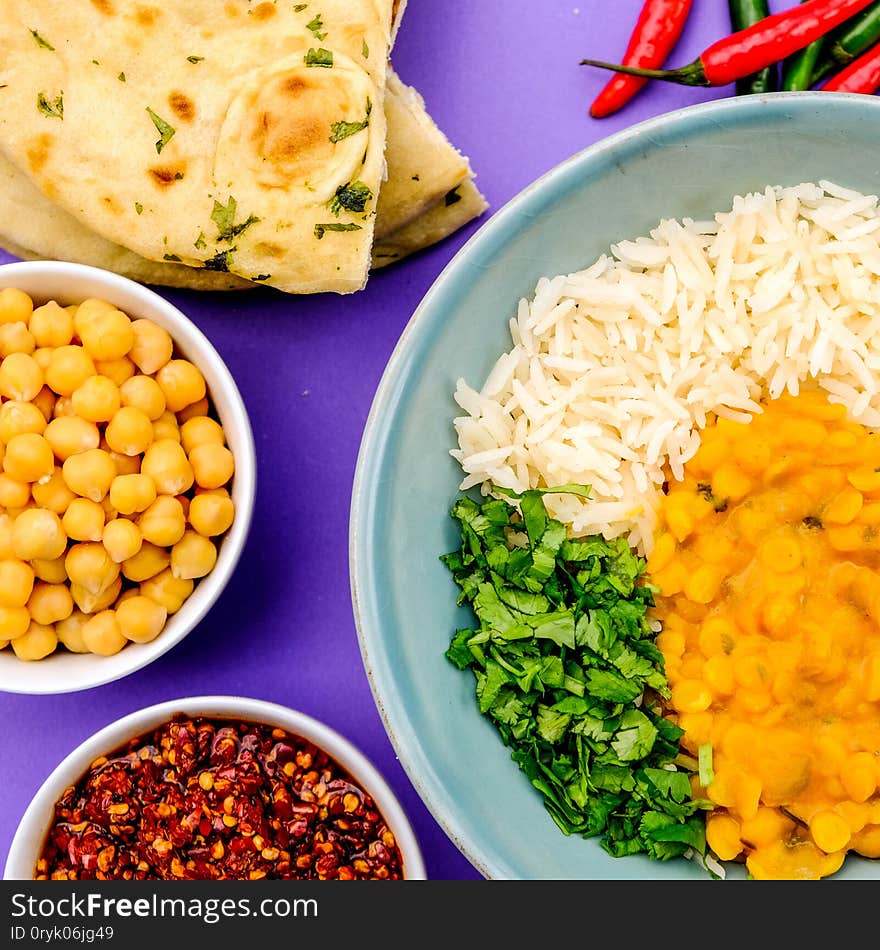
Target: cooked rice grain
[{"x": 616, "y": 368}]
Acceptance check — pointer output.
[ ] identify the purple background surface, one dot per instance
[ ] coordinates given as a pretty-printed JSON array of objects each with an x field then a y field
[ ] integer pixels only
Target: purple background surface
[{"x": 501, "y": 78}]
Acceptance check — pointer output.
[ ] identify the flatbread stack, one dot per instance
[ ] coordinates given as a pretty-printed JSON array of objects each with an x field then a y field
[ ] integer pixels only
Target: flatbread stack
[{"x": 220, "y": 144}]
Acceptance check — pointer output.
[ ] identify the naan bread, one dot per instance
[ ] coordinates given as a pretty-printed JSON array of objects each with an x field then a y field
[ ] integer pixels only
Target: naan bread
[
  {"x": 458, "y": 208},
  {"x": 236, "y": 136},
  {"x": 423, "y": 168}
]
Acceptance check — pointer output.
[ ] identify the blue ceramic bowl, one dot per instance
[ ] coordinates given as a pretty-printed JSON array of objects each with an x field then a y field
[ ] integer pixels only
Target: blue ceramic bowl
[{"x": 689, "y": 163}]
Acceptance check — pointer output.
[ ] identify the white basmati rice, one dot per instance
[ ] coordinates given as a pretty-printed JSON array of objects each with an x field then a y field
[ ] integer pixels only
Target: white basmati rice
[{"x": 616, "y": 368}]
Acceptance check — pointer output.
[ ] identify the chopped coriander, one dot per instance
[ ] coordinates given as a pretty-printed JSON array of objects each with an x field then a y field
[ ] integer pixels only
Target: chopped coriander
[
  {"x": 53, "y": 109},
  {"x": 261, "y": 277},
  {"x": 166, "y": 132},
  {"x": 352, "y": 197},
  {"x": 342, "y": 130},
  {"x": 138, "y": 207},
  {"x": 224, "y": 217},
  {"x": 121, "y": 77},
  {"x": 200, "y": 241},
  {"x": 321, "y": 229},
  {"x": 811, "y": 521},
  {"x": 171, "y": 257},
  {"x": 719, "y": 504},
  {"x": 316, "y": 26},
  {"x": 452, "y": 197},
  {"x": 319, "y": 57},
  {"x": 194, "y": 59},
  {"x": 45, "y": 44},
  {"x": 706, "y": 772},
  {"x": 220, "y": 261},
  {"x": 566, "y": 667},
  {"x": 299, "y": 7},
  {"x": 365, "y": 50}
]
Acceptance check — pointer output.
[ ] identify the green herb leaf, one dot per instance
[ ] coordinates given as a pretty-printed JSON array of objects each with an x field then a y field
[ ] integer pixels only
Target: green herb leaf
[
  {"x": 171, "y": 257},
  {"x": 452, "y": 197},
  {"x": 365, "y": 50},
  {"x": 121, "y": 77},
  {"x": 194, "y": 59},
  {"x": 316, "y": 26},
  {"x": 342, "y": 130},
  {"x": 138, "y": 207},
  {"x": 352, "y": 197},
  {"x": 166, "y": 132},
  {"x": 45, "y": 44},
  {"x": 321, "y": 229},
  {"x": 53, "y": 109},
  {"x": 224, "y": 217},
  {"x": 319, "y": 57}
]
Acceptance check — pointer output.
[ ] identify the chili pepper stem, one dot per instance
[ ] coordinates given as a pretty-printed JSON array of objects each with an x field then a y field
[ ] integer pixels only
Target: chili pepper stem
[{"x": 691, "y": 75}]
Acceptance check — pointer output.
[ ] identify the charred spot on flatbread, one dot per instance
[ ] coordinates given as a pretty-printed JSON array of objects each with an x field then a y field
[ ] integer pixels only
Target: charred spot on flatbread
[
  {"x": 265, "y": 11},
  {"x": 38, "y": 152},
  {"x": 166, "y": 175},
  {"x": 105, "y": 6},
  {"x": 182, "y": 106},
  {"x": 147, "y": 16}
]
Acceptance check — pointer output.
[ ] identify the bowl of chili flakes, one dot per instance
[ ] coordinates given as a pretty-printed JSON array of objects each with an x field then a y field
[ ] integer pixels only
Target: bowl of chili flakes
[{"x": 215, "y": 787}]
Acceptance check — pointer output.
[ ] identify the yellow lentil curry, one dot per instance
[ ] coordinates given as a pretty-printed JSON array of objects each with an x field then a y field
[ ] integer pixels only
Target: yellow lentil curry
[{"x": 767, "y": 557}]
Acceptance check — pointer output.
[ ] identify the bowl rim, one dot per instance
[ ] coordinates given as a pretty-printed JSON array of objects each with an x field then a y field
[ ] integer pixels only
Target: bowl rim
[
  {"x": 484, "y": 242},
  {"x": 34, "y": 823},
  {"x": 190, "y": 338}
]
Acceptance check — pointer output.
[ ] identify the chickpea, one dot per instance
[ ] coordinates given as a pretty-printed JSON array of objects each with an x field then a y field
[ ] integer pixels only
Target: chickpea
[
  {"x": 53, "y": 494},
  {"x": 89, "y": 566},
  {"x": 169, "y": 591},
  {"x": 90, "y": 603},
  {"x": 164, "y": 522},
  {"x": 14, "y": 622},
  {"x": 101, "y": 633},
  {"x": 193, "y": 556},
  {"x": 70, "y": 435},
  {"x": 37, "y": 642},
  {"x": 83, "y": 520},
  {"x": 20, "y": 377},
  {"x": 16, "y": 582},
  {"x": 141, "y": 619},
  {"x": 108, "y": 335},
  {"x": 130, "y": 431},
  {"x": 213, "y": 465},
  {"x": 117, "y": 370},
  {"x": 122, "y": 539},
  {"x": 144, "y": 393},
  {"x": 51, "y": 325},
  {"x": 18, "y": 416},
  {"x": 125, "y": 464},
  {"x": 13, "y": 493},
  {"x": 90, "y": 473},
  {"x": 6, "y": 534},
  {"x": 50, "y": 603},
  {"x": 69, "y": 631},
  {"x": 132, "y": 493},
  {"x": 200, "y": 408},
  {"x": 68, "y": 369},
  {"x": 86, "y": 312},
  {"x": 28, "y": 458},
  {"x": 16, "y": 338},
  {"x": 148, "y": 562},
  {"x": 15, "y": 306},
  {"x": 96, "y": 399},
  {"x": 211, "y": 514},
  {"x": 37, "y": 533},
  {"x": 166, "y": 463},
  {"x": 182, "y": 382},
  {"x": 198, "y": 430},
  {"x": 152, "y": 347},
  {"x": 166, "y": 427},
  {"x": 50, "y": 571}
]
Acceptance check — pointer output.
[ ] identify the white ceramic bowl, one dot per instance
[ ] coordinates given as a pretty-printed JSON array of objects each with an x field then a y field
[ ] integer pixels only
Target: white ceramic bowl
[
  {"x": 31, "y": 833},
  {"x": 64, "y": 672}
]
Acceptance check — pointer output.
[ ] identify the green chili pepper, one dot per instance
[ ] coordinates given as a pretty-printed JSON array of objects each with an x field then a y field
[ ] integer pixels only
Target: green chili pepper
[
  {"x": 854, "y": 38},
  {"x": 797, "y": 70},
  {"x": 743, "y": 14}
]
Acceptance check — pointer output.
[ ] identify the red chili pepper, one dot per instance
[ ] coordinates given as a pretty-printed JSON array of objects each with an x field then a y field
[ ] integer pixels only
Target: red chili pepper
[
  {"x": 656, "y": 32},
  {"x": 862, "y": 74},
  {"x": 747, "y": 51}
]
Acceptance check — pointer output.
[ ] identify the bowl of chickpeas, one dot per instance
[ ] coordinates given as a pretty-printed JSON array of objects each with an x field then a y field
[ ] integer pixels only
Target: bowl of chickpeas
[{"x": 127, "y": 476}]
